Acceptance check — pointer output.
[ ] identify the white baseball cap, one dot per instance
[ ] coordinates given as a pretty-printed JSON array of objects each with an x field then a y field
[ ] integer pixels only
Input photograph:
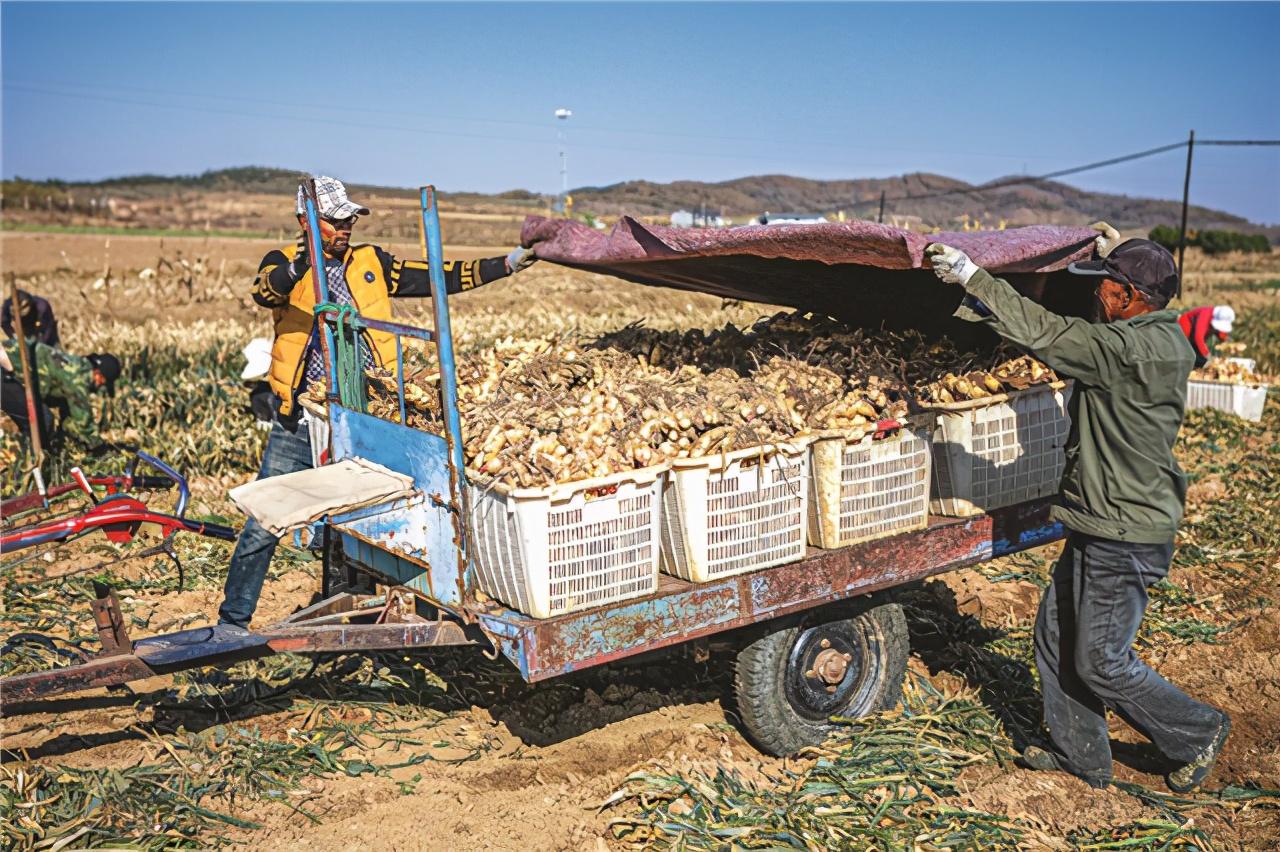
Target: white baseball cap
[
  {"x": 1223, "y": 317},
  {"x": 258, "y": 354},
  {"x": 331, "y": 196}
]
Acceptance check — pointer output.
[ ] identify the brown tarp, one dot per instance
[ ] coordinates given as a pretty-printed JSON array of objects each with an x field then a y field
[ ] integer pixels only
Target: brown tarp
[{"x": 859, "y": 271}]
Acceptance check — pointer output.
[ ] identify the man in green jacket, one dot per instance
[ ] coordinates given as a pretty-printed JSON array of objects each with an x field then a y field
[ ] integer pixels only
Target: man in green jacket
[{"x": 1121, "y": 501}]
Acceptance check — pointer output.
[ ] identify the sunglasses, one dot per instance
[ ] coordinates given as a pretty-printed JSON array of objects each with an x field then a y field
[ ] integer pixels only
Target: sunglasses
[{"x": 343, "y": 224}]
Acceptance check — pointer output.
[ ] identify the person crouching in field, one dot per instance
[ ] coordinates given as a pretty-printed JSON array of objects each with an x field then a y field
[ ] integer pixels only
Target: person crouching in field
[
  {"x": 1207, "y": 327},
  {"x": 362, "y": 275}
]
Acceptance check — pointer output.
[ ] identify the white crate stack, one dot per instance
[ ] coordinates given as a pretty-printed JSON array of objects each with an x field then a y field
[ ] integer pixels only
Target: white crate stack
[
  {"x": 864, "y": 489},
  {"x": 994, "y": 452},
  {"x": 548, "y": 551},
  {"x": 1242, "y": 400},
  {"x": 734, "y": 512}
]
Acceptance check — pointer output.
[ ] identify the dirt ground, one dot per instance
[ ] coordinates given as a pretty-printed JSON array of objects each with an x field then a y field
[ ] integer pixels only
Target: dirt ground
[
  {"x": 31, "y": 253},
  {"x": 499, "y": 764}
]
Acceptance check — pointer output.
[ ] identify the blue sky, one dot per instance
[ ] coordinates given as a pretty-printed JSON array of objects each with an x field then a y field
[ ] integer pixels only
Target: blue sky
[{"x": 464, "y": 95}]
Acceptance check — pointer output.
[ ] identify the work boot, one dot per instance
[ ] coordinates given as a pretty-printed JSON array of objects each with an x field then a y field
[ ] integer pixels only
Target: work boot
[
  {"x": 1189, "y": 776},
  {"x": 1034, "y": 757}
]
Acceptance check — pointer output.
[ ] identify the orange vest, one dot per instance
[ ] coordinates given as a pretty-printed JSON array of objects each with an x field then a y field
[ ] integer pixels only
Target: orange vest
[{"x": 294, "y": 322}]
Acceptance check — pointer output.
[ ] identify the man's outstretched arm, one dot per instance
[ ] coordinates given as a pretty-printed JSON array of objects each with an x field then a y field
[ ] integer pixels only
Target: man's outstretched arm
[
  {"x": 413, "y": 277},
  {"x": 1092, "y": 353}
]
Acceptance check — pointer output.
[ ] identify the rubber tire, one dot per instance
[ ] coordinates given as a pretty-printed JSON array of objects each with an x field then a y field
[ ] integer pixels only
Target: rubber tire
[{"x": 770, "y": 720}]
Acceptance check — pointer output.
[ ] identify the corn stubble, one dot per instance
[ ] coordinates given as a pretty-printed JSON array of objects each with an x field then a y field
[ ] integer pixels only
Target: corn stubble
[{"x": 555, "y": 409}]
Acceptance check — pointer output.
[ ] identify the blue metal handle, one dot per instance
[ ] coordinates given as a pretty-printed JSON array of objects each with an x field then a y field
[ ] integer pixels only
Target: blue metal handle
[
  {"x": 320, "y": 281},
  {"x": 184, "y": 493},
  {"x": 448, "y": 370}
]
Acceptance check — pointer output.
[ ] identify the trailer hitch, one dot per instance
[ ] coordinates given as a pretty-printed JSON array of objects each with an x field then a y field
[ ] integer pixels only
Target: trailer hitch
[{"x": 343, "y": 623}]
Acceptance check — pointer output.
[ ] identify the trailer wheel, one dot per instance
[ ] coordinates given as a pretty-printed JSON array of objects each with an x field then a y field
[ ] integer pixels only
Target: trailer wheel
[{"x": 793, "y": 679}]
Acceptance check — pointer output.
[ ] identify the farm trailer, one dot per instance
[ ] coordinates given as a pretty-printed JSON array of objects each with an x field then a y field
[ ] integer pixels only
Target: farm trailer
[{"x": 812, "y": 641}]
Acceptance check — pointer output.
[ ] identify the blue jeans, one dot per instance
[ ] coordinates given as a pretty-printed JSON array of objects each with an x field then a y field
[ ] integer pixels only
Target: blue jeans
[
  {"x": 286, "y": 452},
  {"x": 1084, "y": 635}
]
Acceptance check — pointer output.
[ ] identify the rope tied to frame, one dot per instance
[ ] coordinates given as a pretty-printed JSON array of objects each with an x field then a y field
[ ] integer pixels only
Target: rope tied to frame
[{"x": 350, "y": 369}]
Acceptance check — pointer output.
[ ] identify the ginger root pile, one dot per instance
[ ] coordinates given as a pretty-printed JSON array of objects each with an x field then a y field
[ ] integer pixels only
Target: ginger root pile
[
  {"x": 1223, "y": 370},
  {"x": 553, "y": 410}
]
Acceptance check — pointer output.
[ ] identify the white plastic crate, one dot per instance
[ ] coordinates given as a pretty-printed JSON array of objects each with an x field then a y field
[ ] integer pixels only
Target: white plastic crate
[
  {"x": 865, "y": 489},
  {"x": 734, "y": 512},
  {"x": 994, "y": 452},
  {"x": 318, "y": 430},
  {"x": 547, "y": 551},
  {"x": 1245, "y": 401}
]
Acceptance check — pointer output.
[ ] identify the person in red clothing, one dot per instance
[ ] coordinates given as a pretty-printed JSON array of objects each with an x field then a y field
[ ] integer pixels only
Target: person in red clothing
[{"x": 1205, "y": 327}]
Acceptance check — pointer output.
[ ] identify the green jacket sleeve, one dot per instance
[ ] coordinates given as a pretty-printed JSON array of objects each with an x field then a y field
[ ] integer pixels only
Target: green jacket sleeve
[
  {"x": 1090, "y": 352},
  {"x": 67, "y": 377}
]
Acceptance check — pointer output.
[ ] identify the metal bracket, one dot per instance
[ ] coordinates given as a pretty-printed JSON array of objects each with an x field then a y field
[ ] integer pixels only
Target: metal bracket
[{"x": 110, "y": 622}]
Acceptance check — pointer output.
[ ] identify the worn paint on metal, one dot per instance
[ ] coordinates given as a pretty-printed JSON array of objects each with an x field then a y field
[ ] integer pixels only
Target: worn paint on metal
[
  {"x": 418, "y": 532},
  {"x": 391, "y": 567},
  {"x": 434, "y": 252},
  {"x": 548, "y": 647},
  {"x": 198, "y": 646},
  {"x": 304, "y": 639},
  {"x": 1029, "y": 538},
  {"x": 635, "y": 624},
  {"x": 99, "y": 671}
]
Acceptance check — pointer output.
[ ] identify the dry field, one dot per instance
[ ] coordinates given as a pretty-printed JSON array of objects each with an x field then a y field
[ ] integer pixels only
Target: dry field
[{"x": 429, "y": 752}]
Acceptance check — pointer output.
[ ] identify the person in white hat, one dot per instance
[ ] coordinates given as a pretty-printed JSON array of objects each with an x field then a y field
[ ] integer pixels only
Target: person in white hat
[
  {"x": 1205, "y": 328},
  {"x": 364, "y": 275}
]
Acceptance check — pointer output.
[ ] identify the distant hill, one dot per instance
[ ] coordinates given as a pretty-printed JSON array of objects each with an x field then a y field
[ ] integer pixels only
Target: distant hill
[
  {"x": 265, "y": 180},
  {"x": 1045, "y": 202}
]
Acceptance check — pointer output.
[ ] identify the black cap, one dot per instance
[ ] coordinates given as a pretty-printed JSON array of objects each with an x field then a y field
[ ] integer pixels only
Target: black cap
[
  {"x": 1148, "y": 266},
  {"x": 109, "y": 366}
]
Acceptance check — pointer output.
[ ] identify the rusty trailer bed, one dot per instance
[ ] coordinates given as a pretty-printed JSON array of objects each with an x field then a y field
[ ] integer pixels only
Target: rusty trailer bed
[{"x": 680, "y": 611}]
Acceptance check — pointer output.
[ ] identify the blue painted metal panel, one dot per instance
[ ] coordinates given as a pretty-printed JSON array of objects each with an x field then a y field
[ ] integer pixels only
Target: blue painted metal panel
[
  {"x": 413, "y": 533},
  {"x": 1033, "y": 537}
]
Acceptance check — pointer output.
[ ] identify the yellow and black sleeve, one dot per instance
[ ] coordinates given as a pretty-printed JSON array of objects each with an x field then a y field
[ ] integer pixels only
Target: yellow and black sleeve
[
  {"x": 412, "y": 278},
  {"x": 273, "y": 283}
]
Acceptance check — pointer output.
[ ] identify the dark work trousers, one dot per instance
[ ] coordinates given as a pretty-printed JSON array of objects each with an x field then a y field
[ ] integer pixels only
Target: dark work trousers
[
  {"x": 288, "y": 450},
  {"x": 1084, "y": 635},
  {"x": 14, "y": 402}
]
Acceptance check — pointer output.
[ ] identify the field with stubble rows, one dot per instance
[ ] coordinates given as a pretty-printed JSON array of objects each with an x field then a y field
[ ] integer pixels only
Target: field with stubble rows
[{"x": 427, "y": 752}]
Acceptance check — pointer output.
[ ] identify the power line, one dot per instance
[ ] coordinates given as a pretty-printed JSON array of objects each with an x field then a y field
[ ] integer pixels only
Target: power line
[
  {"x": 1006, "y": 182},
  {"x": 324, "y": 119},
  {"x": 806, "y": 140}
]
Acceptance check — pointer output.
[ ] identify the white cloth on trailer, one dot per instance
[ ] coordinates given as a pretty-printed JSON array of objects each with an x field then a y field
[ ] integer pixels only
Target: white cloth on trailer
[{"x": 294, "y": 500}]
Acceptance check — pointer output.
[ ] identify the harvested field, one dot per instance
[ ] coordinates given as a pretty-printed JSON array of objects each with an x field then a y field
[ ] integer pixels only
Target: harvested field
[{"x": 434, "y": 751}]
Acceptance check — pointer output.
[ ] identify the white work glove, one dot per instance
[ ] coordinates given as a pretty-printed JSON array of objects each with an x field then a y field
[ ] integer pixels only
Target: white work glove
[
  {"x": 1107, "y": 239},
  {"x": 950, "y": 264},
  {"x": 521, "y": 258}
]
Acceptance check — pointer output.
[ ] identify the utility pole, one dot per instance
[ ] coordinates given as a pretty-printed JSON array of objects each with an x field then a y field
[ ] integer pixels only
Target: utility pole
[
  {"x": 562, "y": 115},
  {"x": 1186, "y": 194},
  {"x": 880, "y": 216}
]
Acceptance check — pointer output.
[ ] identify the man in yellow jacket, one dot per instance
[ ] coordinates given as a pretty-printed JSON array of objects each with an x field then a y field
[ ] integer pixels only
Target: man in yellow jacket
[{"x": 363, "y": 275}]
